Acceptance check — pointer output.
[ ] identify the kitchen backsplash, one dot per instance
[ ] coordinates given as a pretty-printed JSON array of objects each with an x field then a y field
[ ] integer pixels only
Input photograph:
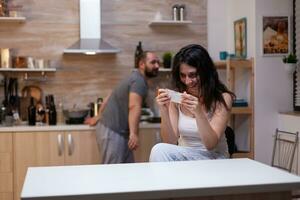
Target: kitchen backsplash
[{"x": 52, "y": 26}]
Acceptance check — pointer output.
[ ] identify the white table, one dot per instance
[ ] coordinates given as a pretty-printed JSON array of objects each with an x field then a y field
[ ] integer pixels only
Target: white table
[{"x": 223, "y": 179}]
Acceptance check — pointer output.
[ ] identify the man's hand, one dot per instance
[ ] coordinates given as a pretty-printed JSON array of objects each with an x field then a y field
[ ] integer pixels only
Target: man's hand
[
  {"x": 133, "y": 142},
  {"x": 92, "y": 121}
]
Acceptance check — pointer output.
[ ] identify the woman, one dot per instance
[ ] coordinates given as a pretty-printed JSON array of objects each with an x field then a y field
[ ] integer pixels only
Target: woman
[{"x": 193, "y": 129}]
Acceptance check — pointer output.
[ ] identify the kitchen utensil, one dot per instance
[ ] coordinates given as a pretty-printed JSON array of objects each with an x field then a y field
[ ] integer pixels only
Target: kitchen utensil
[
  {"x": 27, "y": 92},
  {"x": 19, "y": 62},
  {"x": 76, "y": 113},
  {"x": 75, "y": 116},
  {"x": 32, "y": 91},
  {"x": 30, "y": 62}
]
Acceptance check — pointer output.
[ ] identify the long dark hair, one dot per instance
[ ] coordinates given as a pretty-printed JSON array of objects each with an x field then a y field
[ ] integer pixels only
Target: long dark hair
[{"x": 210, "y": 87}]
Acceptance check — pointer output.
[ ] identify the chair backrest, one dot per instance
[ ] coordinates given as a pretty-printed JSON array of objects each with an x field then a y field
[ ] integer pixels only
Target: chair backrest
[
  {"x": 230, "y": 138},
  {"x": 285, "y": 144}
]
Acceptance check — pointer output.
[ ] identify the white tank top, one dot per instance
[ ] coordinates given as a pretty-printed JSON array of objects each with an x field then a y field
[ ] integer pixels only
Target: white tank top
[{"x": 189, "y": 136}]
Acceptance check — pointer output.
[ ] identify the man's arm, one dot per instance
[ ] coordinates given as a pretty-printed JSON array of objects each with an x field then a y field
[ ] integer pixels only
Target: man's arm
[
  {"x": 135, "y": 108},
  {"x": 93, "y": 120}
]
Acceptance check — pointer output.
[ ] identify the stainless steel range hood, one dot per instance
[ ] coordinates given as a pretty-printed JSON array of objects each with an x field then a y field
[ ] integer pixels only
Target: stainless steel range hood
[{"x": 90, "y": 42}]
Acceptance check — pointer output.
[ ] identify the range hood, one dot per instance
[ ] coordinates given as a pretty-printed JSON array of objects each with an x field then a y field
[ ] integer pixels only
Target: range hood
[{"x": 90, "y": 42}]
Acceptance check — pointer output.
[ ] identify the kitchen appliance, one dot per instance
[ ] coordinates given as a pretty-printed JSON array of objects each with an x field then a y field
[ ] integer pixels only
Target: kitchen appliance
[{"x": 90, "y": 42}]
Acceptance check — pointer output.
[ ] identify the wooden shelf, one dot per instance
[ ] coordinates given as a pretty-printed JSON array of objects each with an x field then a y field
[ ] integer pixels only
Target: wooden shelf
[
  {"x": 161, "y": 69},
  {"x": 165, "y": 69},
  {"x": 241, "y": 110},
  {"x": 220, "y": 64},
  {"x": 169, "y": 23},
  {"x": 234, "y": 63},
  {"x": 241, "y": 154},
  {"x": 240, "y": 63},
  {"x": 13, "y": 19},
  {"x": 231, "y": 76},
  {"x": 26, "y": 72}
]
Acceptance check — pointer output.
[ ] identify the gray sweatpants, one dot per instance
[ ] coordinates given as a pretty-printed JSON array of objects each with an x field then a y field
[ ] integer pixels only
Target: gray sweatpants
[{"x": 112, "y": 146}]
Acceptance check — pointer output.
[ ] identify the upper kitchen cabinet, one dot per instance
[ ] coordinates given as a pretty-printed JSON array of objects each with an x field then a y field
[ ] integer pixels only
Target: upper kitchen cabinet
[{"x": 12, "y": 19}]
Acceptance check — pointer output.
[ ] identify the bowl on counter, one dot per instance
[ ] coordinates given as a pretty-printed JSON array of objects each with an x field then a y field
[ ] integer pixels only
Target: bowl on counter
[{"x": 75, "y": 116}]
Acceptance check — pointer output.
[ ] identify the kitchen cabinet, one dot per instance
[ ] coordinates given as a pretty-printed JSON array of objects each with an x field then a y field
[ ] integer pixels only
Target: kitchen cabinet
[
  {"x": 147, "y": 138},
  {"x": 6, "y": 167},
  {"x": 52, "y": 148}
]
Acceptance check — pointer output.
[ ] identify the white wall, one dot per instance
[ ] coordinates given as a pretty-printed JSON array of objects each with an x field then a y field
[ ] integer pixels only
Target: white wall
[
  {"x": 273, "y": 87},
  {"x": 217, "y": 19},
  {"x": 220, "y": 16}
]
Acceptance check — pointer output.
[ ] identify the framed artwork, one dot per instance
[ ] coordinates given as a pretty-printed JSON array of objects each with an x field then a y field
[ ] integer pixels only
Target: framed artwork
[
  {"x": 276, "y": 35},
  {"x": 240, "y": 38}
]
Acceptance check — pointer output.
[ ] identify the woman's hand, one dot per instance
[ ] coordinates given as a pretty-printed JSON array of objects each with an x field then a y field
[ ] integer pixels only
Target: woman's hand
[
  {"x": 191, "y": 103},
  {"x": 92, "y": 121},
  {"x": 163, "y": 99}
]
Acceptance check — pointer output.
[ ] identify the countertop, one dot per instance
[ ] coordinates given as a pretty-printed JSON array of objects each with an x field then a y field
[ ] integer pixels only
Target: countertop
[
  {"x": 63, "y": 127},
  {"x": 291, "y": 113},
  {"x": 155, "y": 180}
]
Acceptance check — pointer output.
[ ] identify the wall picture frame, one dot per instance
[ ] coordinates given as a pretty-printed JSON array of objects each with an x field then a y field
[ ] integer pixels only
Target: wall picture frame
[
  {"x": 240, "y": 38},
  {"x": 275, "y": 35}
]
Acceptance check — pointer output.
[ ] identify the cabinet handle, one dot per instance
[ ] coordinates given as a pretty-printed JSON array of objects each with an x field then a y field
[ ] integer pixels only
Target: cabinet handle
[
  {"x": 70, "y": 144},
  {"x": 60, "y": 142}
]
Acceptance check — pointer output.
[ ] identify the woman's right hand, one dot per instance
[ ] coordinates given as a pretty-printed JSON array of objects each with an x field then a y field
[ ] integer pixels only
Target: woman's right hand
[
  {"x": 92, "y": 121},
  {"x": 163, "y": 98}
]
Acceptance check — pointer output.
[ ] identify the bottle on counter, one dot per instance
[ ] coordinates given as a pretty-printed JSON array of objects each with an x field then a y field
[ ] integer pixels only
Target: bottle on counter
[
  {"x": 60, "y": 114},
  {"x": 137, "y": 54},
  {"x": 31, "y": 113},
  {"x": 46, "y": 119},
  {"x": 52, "y": 111},
  {"x": 92, "y": 112}
]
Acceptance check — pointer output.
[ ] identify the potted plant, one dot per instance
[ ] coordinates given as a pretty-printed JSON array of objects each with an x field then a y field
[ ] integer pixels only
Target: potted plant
[
  {"x": 167, "y": 59},
  {"x": 290, "y": 62}
]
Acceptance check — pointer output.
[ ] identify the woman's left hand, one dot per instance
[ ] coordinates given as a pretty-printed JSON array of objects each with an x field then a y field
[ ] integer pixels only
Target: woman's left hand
[{"x": 190, "y": 102}]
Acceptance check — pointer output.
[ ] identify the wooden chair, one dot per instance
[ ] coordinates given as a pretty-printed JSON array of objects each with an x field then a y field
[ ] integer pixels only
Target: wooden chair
[{"x": 285, "y": 144}]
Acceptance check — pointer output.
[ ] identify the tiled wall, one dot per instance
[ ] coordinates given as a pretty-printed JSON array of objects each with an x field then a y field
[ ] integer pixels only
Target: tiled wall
[{"x": 52, "y": 26}]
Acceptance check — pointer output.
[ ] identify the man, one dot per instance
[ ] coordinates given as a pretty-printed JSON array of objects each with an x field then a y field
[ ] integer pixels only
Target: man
[{"x": 117, "y": 124}]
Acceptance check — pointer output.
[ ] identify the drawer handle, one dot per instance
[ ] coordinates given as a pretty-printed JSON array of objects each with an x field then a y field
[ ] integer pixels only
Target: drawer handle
[
  {"x": 70, "y": 144},
  {"x": 60, "y": 144}
]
